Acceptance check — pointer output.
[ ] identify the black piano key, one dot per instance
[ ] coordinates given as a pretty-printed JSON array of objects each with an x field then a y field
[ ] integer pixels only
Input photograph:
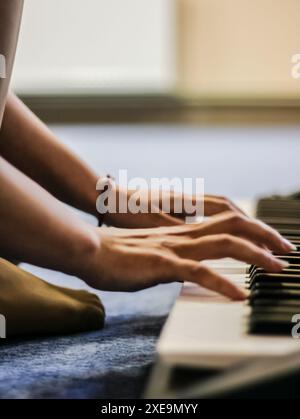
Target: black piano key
[
  {"x": 275, "y": 286},
  {"x": 275, "y": 298},
  {"x": 262, "y": 277},
  {"x": 271, "y": 324},
  {"x": 275, "y": 294},
  {"x": 282, "y": 226},
  {"x": 294, "y": 253},
  {"x": 289, "y": 232},
  {"x": 278, "y": 310},
  {"x": 297, "y": 245},
  {"x": 270, "y": 302},
  {"x": 293, "y": 239},
  {"x": 294, "y": 260},
  {"x": 292, "y": 270}
]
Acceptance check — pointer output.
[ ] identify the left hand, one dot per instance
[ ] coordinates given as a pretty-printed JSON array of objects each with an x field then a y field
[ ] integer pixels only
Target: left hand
[{"x": 212, "y": 205}]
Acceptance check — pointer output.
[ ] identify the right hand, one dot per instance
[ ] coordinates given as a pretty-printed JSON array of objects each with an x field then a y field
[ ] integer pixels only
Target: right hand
[{"x": 130, "y": 260}]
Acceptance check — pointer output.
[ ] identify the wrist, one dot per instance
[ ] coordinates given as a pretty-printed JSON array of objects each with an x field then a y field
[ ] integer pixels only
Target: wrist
[
  {"x": 84, "y": 252},
  {"x": 108, "y": 206},
  {"x": 91, "y": 197}
]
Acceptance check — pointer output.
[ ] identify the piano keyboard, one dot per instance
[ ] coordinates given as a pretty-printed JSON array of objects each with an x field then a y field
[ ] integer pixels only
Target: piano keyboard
[
  {"x": 275, "y": 298},
  {"x": 205, "y": 329}
]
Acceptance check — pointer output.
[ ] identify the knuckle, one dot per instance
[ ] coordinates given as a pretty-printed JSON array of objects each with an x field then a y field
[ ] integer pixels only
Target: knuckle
[
  {"x": 223, "y": 208},
  {"x": 225, "y": 240},
  {"x": 262, "y": 254},
  {"x": 198, "y": 271},
  {"x": 167, "y": 243},
  {"x": 171, "y": 246},
  {"x": 237, "y": 221},
  {"x": 159, "y": 259},
  {"x": 226, "y": 201},
  {"x": 268, "y": 232},
  {"x": 164, "y": 267},
  {"x": 269, "y": 235},
  {"x": 259, "y": 254}
]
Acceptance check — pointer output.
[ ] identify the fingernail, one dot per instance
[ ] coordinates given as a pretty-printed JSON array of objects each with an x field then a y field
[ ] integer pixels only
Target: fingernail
[
  {"x": 283, "y": 263},
  {"x": 241, "y": 294},
  {"x": 246, "y": 293},
  {"x": 288, "y": 245}
]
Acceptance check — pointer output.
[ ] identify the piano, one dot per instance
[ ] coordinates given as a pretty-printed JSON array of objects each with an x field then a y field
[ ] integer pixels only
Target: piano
[{"x": 207, "y": 332}]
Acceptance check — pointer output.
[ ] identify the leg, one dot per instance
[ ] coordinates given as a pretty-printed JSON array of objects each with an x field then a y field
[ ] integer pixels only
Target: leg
[{"x": 33, "y": 306}]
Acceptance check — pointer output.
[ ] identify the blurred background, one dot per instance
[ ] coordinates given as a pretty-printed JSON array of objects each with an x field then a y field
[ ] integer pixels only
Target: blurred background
[{"x": 170, "y": 87}]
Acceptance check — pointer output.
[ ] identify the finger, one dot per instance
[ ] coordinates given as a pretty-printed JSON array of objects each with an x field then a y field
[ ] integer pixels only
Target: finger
[
  {"x": 148, "y": 224},
  {"x": 177, "y": 229},
  {"x": 217, "y": 204},
  {"x": 237, "y": 208},
  {"x": 257, "y": 231},
  {"x": 181, "y": 205},
  {"x": 223, "y": 245},
  {"x": 164, "y": 220},
  {"x": 187, "y": 270},
  {"x": 252, "y": 229}
]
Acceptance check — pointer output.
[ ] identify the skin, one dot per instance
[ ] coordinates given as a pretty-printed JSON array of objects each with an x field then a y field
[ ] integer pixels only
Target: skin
[
  {"x": 58, "y": 170},
  {"x": 37, "y": 172},
  {"x": 145, "y": 257},
  {"x": 58, "y": 309}
]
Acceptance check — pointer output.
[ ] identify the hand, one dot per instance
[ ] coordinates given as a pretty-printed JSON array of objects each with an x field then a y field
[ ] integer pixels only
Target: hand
[
  {"x": 130, "y": 260},
  {"x": 212, "y": 205}
]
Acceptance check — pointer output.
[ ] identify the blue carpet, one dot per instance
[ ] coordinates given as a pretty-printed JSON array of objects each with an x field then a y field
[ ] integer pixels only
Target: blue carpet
[{"x": 110, "y": 363}]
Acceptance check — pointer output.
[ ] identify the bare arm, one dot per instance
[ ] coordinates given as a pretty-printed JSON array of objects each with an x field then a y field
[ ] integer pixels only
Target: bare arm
[
  {"x": 37, "y": 228},
  {"x": 31, "y": 147}
]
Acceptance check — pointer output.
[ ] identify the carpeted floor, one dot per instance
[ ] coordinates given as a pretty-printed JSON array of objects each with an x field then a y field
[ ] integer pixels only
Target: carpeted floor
[{"x": 111, "y": 363}]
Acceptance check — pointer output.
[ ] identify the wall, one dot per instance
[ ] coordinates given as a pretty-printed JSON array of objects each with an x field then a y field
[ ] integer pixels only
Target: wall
[
  {"x": 225, "y": 49},
  {"x": 92, "y": 46},
  {"x": 238, "y": 48}
]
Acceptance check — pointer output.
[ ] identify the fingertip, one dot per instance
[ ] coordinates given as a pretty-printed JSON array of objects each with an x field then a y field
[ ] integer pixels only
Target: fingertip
[
  {"x": 233, "y": 291},
  {"x": 277, "y": 265},
  {"x": 240, "y": 294},
  {"x": 284, "y": 263},
  {"x": 287, "y": 246}
]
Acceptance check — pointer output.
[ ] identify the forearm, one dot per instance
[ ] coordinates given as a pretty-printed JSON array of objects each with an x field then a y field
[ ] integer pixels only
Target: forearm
[
  {"x": 37, "y": 228},
  {"x": 31, "y": 147}
]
